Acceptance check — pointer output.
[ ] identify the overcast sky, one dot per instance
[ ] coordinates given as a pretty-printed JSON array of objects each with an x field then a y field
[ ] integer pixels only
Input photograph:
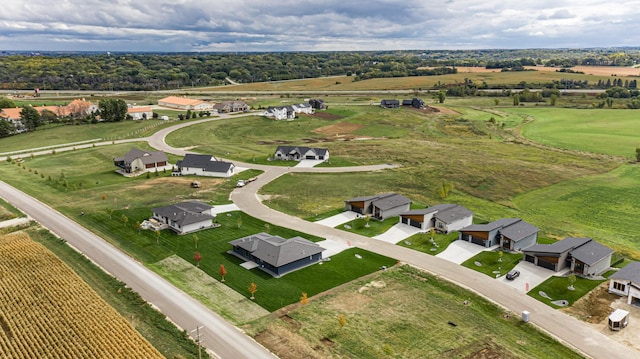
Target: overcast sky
[{"x": 319, "y": 25}]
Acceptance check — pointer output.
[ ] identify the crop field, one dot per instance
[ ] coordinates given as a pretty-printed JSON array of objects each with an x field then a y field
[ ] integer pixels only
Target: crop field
[
  {"x": 607, "y": 131},
  {"x": 46, "y": 310},
  {"x": 403, "y": 313}
]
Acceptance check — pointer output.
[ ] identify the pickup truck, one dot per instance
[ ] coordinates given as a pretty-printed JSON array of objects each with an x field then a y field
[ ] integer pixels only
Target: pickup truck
[{"x": 242, "y": 183}]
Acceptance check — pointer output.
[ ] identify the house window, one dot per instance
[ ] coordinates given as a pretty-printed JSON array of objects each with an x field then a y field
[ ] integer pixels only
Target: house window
[{"x": 619, "y": 286}]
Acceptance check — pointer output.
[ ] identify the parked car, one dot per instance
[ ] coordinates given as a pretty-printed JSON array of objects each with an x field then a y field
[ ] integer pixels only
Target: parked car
[{"x": 513, "y": 274}]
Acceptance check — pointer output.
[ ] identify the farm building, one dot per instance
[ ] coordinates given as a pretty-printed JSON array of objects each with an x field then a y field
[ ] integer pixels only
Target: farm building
[{"x": 184, "y": 103}]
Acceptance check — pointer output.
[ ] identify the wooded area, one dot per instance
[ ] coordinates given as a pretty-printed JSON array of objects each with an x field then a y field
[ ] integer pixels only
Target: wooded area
[{"x": 158, "y": 71}]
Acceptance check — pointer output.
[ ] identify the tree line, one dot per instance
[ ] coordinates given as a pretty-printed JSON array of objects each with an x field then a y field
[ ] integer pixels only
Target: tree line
[{"x": 158, "y": 71}]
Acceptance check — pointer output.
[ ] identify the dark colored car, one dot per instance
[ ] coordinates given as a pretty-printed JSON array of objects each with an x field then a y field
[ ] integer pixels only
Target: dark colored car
[{"x": 513, "y": 274}]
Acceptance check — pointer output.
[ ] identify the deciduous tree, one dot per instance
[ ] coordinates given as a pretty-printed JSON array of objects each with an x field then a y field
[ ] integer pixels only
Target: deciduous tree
[
  {"x": 112, "y": 109},
  {"x": 304, "y": 299},
  {"x": 223, "y": 272},
  {"x": 30, "y": 118},
  {"x": 253, "y": 288},
  {"x": 197, "y": 257}
]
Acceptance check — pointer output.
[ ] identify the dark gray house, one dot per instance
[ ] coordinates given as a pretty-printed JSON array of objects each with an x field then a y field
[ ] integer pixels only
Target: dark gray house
[
  {"x": 583, "y": 256},
  {"x": 390, "y": 103},
  {"x": 380, "y": 206},
  {"x": 137, "y": 160},
  {"x": 444, "y": 218},
  {"x": 317, "y": 104},
  {"x": 185, "y": 217},
  {"x": 512, "y": 234},
  {"x": 414, "y": 102},
  {"x": 276, "y": 255}
]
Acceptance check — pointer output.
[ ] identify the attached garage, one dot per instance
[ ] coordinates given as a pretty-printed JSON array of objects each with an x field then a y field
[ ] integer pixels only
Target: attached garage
[
  {"x": 478, "y": 240},
  {"x": 546, "y": 264},
  {"x": 530, "y": 259}
]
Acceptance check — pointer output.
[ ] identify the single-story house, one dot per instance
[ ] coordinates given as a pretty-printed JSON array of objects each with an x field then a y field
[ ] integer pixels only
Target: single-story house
[
  {"x": 138, "y": 160},
  {"x": 276, "y": 255},
  {"x": 231, "y": 106},
  {"x": 583, "y": 256},
  {"x": 184, "y": 103},
  {"x": 298, "y": 153},
  {"x": 280, "y": 112},
  {"x": 381, "y": 206},
  {"x": 512, "y": 234},
  {"x": 185, "y": 217},
  {"x": 140, "y": 112},
  {"x": 390, "y": 103},
  {"x": 626, "y": 282},
  {"x": 414, "y": 102},
  {"x": 443, "y": 218},
  {"x": 204, "y": 165}
]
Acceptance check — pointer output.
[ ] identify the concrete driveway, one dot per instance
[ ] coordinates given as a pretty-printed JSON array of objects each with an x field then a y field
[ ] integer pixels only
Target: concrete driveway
[
  {"x": 459, "y": 251},
  {"x": 332, "y": 247},
  {"x": 531, "y": 275},
  {"x": 338, "y": 219},
  {"x": 309, "y": 163},
  {"x": 397, "y": 233}
]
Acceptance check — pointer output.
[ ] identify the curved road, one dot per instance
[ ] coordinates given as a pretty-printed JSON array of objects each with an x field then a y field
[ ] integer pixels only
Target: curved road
[{"x": 226, "y": 340}]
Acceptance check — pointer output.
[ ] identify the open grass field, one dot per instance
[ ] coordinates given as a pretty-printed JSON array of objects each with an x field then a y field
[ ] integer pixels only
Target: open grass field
[
  {"x": 607, "y": 131},
  {"x": 403, "y": 313},
  {"x": 61, "y": 134},
  {"x": 46, "y": 310},
  {"x": 346, "y": 83},
  {"x": 600, "y": 206}
]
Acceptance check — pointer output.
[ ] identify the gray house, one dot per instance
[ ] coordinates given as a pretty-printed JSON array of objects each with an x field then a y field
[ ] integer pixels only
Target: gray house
[
  {"x": 443, "y": 218},
  {"x": 204, "y": 165},
  {"x": 512, "y": 234},
  {"x": 380, "y": 206},
  {"x": 390, "y": 103},
  {"x": 276, "y": 255},
  {"x": 185, "y": 217},
  {"x": 583, "y": 256},
  {"x": 626, "y": 283},
  {"x": 137, "y": 160},
  {"x": 297, "y": 153}
]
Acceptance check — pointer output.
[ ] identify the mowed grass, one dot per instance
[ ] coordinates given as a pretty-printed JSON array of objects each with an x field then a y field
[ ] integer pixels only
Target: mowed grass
[
  {"x": 404, "y": 313},
  {"x": 605, "y": 131},
  {"x": 556, "y": 288},
  {"x": 602, "y": 207},
  {"x": 112, "y": 205},
  {"x": 53, "y": 135},
  {"x": 347, "y": 83},
  {"x": 422, "y": 242},
  {"x": 492, "y": 264}
]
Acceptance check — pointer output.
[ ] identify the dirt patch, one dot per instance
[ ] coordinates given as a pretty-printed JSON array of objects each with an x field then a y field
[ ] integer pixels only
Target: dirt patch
[
  {"x": 294, "y": 324},
  {"x": 595, "y": 306},
  {"x": 350, "y": 302},
  {"x": 445, "y": 111},
  {"x": 174, "y": 180},
  {"x": 338, "y": 129},
  {"x": 288, "y": 345},
  {"x": 326, "y": 116}
]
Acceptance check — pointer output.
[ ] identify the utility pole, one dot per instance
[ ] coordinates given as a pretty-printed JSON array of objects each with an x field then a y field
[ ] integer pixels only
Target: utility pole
[{"x": 198, "y": 339}]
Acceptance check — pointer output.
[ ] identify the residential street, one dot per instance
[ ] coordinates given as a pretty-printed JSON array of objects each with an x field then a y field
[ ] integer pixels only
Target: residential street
[
  {"x": 227, "y": 341},
  {"x": 220, "y": 337}
]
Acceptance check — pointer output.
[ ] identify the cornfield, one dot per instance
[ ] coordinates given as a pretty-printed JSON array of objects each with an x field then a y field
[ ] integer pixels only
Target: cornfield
[{"x": 48, "y": 311}]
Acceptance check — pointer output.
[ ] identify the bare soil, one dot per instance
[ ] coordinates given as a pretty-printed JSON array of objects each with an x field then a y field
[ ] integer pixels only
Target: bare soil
[
  {"x": 339, "y": 129},
  {"x": 327, "y": 116}
]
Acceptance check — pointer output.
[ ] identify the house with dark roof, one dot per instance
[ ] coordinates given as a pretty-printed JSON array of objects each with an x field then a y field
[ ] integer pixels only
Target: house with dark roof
[
  {"x": 276, "y": 255},
  {"x": 381, "y": 206},
  {"x": 583, "y": 256},
  {"x": 204, "y": 165},
  {"x": 390, "y": 103},
  {"x": 414, "y": 102},
  {"x": 317, "y": 104},
  {"x": 280, "y": 112},
  {"x": 443, "y": 218},
  {"x": 512, "y": 234},
  {"x": 298, "y": 153},
  {"x": 185, "y": 217},
  {"x": 626, "y": 283},
  {"x": 137, "y": 160}
]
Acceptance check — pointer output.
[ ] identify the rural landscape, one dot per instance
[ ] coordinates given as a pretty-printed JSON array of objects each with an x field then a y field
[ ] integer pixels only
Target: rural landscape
[{"x": 547, "y": 139}]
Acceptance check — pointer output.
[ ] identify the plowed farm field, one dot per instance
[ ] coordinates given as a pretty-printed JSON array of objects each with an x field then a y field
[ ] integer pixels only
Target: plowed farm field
[{"x": 48, "y": 311}]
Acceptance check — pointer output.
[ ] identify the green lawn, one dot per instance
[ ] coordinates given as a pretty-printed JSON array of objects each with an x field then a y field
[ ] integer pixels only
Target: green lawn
[
  {"x": 368, "y": 227},
  {"x": 557, "y": 289},
  {"x": 606, "y": 131},
  {"x": 422, "y": 242},
  {"x": 600, "y": 207},
  {"x": 491, "y": 264}
]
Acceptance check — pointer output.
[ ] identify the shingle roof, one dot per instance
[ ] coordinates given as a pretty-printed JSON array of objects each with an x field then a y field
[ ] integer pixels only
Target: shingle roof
[
  {"x": 276, "y": 250},
  {"x": 206, "y": 162},
  {"x": 558, "y": 247},
  {"x": 185, "y": 213},
  {"x": 497, "y": 224},
  {"x": 302, "y": 150},
  {"x": 391, "y": 200},
  {"x": 452, "y": 213},
  {"x": 630, "y": 272},
  {"x": 591, "y": 252},
  {"x": 139, "y": 109},
  {"x": 145, "y": 156},
  {"x": 519, "y": 231}
]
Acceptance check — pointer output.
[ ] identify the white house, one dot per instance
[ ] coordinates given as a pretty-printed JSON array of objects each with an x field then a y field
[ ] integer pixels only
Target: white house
[
  {"x": 185, "y": 217},
  {"x": 280, "y": 113},
  {"x": 298, "y": 153},
  {"x": 626, "y": 282},
  {"x": 304, "y": 107},
  {"x": 140, "y": 112},
  {"x": 205, "y": 165}
]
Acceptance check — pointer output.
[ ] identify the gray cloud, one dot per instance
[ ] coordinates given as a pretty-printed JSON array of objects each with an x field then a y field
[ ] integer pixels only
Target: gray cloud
[{"x": 283, "y": 25}]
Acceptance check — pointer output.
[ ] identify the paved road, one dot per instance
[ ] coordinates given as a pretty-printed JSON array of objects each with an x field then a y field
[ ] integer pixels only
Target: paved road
[
  {"x": 220, "y": 337},
  {"x": 564, "y": 327}
]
